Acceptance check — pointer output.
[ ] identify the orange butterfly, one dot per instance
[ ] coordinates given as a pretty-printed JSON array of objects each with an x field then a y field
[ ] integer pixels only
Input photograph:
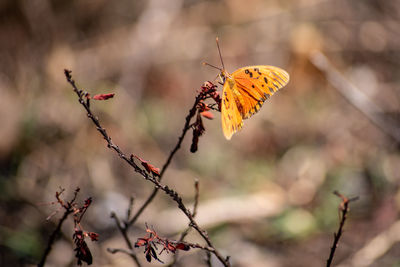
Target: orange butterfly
[{"x": 245, "y": 91}]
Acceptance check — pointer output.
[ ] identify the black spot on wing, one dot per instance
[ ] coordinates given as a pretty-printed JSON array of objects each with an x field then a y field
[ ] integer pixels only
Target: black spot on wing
[
  {"x": 226, "y": 102},
  {"x": 248, "y": 72}
]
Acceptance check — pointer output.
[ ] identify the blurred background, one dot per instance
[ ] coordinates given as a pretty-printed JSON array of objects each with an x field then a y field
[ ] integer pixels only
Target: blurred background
[{"x": 265, "y": 196}]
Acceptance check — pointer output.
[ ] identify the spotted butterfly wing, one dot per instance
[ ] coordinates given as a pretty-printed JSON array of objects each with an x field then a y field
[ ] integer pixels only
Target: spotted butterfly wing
[
  {"x": 245, "y": 91},
  {"x": 231, "y": 118}
]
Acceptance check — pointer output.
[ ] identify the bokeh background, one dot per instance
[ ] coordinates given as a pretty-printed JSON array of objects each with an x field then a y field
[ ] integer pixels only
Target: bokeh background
[{"x": 265, "y": 196}]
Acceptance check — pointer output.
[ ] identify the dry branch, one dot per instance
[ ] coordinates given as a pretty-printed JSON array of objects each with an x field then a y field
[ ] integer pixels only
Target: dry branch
[
  {"x": 344, "y": 208},
  {"x": 151, "y": 178},
  {"x": 355, "y": 96}
]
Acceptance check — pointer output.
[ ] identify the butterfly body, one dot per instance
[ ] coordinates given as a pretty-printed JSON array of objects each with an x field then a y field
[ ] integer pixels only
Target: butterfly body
[{"x": 245, "y": 91}]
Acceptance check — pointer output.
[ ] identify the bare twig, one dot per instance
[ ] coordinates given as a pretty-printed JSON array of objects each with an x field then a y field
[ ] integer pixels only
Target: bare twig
[
  {"x": 186, "y": 232},
  {"x": 124, "y": 233},
  {"x": 193, "y": 223},
  {"x": 100, "y": 129},
  {"x": 195, "y": 204},
  {"x": 53, "y": 237},
  {"x": 129, "y": 211},
  {"x": 127, "y": 252},
  {"x": 68, "y": 206},
  {"x": 208, "y": 259},
  {"x": 196, "y": 197},
  {"x": 355, "y": 96},
  {"x": 186, "y": 127},
  {"x": 142, "y": 172},
  {"x": 344, "y": 208}
]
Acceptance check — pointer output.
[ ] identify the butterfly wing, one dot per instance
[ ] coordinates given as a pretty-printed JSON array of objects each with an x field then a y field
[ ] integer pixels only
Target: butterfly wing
[
  {"x": 231, "y": 118},
  {"x": 255, "y": 84}
]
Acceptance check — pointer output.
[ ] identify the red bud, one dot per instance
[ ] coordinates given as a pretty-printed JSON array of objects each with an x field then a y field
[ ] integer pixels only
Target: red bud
[
  {"x": 93, "y": 236},
  {"x": 103, "y": 96},
  {"x": 207, "y": 115},
  {"x": 182, "y": 246}
]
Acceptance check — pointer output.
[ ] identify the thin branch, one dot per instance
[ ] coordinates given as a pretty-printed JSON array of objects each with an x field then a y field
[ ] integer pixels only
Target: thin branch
[
  {"x": 142, "y": 172},
  {"x": 53, "y": 237},
  {"x": 186, "y": 232},
  {"x": 208, "y": 259},
  {"x": 196, "y": 245},
  {"x": 100, "y": 129},
  {"x": 186, "y": 127},
  {"x": 129, "y": 211},
  {"x": 196, "y": 197},
  {"x": 68, "y": 210},
  {"x": 127, "y": 252},
  {"x": 193, "y": 223},
  {"x": 355, "y": 96},
  {"x": 344, "y": 208},
  {"x": 196, "y": 202},
  {"x": 124, "y": 233}
]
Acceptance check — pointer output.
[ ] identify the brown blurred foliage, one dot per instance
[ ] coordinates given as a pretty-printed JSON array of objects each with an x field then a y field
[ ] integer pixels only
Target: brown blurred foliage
[{"x": 266, "y": 195}]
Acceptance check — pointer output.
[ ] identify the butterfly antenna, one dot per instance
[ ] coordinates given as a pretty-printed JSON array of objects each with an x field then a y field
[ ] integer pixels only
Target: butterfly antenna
[
  {"x": 208, "y": 64},
  {"x": 220, "y": 55}
]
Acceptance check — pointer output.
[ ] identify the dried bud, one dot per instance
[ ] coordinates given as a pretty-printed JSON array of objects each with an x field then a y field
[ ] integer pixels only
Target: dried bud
[
  {"x": 207, "y": 115},
  {"x": 195, "y": 142},
  {"x": 88, "y": 201},
  {"x": 83, "y": 253},
  {"x": 208, "y": 87},
  {"x": 151, "y": 168},
  {"x": 182, "y": 246},
  {"x": 93, "y": 236},
  {"x": 141, "y": 242},
  {"x": 198, "y": 130},
  {"x": 103, "y": 96}
]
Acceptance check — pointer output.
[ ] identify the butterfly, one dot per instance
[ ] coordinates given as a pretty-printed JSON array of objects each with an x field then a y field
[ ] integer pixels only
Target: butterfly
[{"x": 245, "y": 91}]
